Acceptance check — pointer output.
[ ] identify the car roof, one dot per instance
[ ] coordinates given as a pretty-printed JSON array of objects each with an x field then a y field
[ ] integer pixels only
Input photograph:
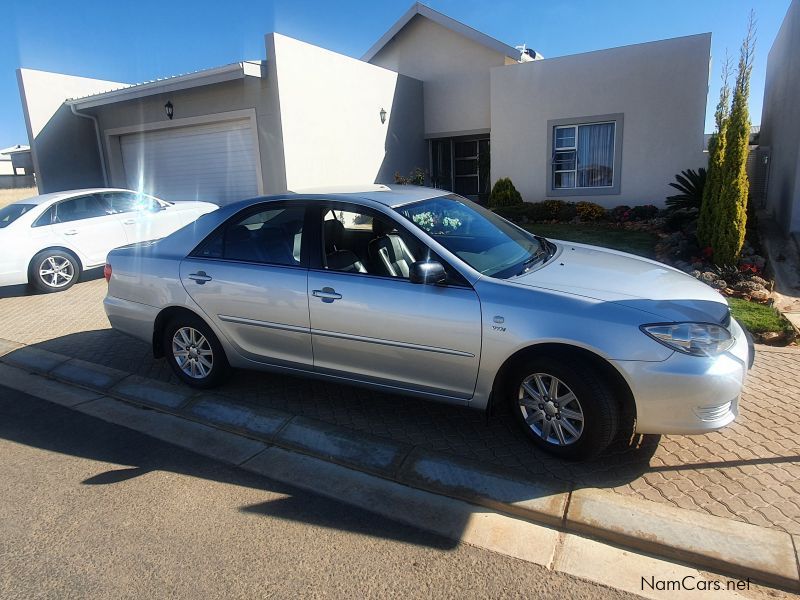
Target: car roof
[
  {"x": 389, "y": 195},
  {"x": 55, "y": 196}
]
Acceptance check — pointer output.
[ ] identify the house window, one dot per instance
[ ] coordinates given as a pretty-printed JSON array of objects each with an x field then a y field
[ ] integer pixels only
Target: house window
[{"x": 583, "y": 155}]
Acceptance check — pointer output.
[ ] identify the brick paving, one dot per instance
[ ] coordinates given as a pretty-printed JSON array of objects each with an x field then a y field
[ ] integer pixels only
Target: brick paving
[{"x": 749, "y": 471}]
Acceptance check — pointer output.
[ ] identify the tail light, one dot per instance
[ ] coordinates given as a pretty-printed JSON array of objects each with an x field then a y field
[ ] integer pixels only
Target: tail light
[{"x": 107, "y": 271}]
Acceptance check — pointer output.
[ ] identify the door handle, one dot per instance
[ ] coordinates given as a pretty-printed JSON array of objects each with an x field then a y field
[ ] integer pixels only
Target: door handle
[
  {"x": 327, "y": 294},
  {"x": 70, "y": 232},
  {"x": 200, "y": 277}
]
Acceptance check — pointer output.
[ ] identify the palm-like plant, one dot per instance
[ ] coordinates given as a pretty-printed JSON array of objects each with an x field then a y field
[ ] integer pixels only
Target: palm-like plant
[{"x": 690, "y": 184}]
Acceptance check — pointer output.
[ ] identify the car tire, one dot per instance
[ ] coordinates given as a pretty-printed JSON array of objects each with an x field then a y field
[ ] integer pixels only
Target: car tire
[
  {"x": 194, "y": 352},
  {"x": 577, "y": 419},
  {"x": 54, "y": 270}
]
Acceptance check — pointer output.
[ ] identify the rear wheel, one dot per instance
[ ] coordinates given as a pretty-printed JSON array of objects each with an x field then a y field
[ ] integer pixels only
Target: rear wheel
[
  {"x": 54, "y": 270},
  {"x": 565, "y": 408},
  {"x": 194, "y": 352}
]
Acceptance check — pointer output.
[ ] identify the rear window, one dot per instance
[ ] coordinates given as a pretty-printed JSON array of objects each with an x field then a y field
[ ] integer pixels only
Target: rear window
[{"x": 12, "y": 212}]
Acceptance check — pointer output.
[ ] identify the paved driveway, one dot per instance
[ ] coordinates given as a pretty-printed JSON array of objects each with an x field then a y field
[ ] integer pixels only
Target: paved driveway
[{"x": 749, "y": 471}]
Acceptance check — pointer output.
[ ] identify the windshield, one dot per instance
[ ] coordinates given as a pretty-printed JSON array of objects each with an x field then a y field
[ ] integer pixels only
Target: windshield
[
  {"x": 477, "y": 236},
  {"x": 12, "y": 212}
]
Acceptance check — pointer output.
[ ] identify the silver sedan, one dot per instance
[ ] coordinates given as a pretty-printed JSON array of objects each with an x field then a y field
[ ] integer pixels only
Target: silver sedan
[{"x": 422, "y": 292}]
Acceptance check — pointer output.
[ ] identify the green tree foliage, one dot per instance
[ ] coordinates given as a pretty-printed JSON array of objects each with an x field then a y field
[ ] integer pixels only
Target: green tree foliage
[
  {"x": 716, "y": 156},
  {"x": 504, "y": 194},
  {"x": 730, "y": 209},
  {"x": 690, "y": 184}
]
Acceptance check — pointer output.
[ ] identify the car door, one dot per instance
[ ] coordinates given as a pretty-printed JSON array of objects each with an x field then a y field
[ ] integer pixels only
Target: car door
[
  {"x": 85, "y": 224},
  {"x": 374, "y": 326},
  {"x": 251, "y": 280},
  {"x": 142, "y": 217}
]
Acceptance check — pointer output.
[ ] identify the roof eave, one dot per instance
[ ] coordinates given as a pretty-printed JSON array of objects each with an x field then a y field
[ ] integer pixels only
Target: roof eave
[{"x": 162, "y": 86}]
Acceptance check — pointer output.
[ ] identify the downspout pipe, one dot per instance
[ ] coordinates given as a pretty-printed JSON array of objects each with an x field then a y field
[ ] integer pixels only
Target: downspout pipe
[{"x": 93, "y": 119}]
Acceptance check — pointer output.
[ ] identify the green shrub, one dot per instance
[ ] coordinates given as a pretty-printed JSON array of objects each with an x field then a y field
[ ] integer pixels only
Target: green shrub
[
  {"x": 416, "y": 177},
  {"x": 516, "y": 213},
  {"x": 643, "y": 212},
  {"x": 589, "y": 211},
  {"x": 504, "y": 194},
  {"x": 620, "y": 213}
]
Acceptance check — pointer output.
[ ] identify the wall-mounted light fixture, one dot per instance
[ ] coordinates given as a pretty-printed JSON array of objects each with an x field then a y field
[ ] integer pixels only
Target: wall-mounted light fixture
[
  {"x": 383, "y": 116},
  {"x": 169, "y": 109}
]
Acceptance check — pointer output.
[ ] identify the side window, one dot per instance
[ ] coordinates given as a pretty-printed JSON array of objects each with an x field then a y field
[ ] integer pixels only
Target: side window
[
  {"x": 46, "y": 218},
  {"x": 76, "y": 209},
  {"x": 122, "y": 202},
  {"x": 368, "y": 242},
  {"x": 271, "y": 236}
]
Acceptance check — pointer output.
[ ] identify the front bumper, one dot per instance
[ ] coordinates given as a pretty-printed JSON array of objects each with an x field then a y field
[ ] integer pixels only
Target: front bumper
[{"x": 689, "y": 394}]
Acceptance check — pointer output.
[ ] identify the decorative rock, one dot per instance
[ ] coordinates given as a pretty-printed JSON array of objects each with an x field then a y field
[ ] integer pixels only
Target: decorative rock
[
  {"x": 719, "y": 284},
  {"x": 696, "y": 274},
  {"x": 748, "y": 286},
  {"x": 709, "y": 276},
  {"x": 759, "y": 280},
  {"x": 759, "y": 295}
]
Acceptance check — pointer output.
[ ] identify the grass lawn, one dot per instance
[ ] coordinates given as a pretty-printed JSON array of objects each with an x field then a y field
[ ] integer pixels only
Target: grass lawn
[
  {"x": 757, "y": 318},
  {"x": 9, "y": 196},
  {"x": 642, "y": 243}
]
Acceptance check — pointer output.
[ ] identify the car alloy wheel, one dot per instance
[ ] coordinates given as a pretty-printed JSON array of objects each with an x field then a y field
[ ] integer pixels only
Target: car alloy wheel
[
  {"x": 551, "y": 409},
  {"x": 56, "y": 271},
  {"x": 192, "y": 352}
]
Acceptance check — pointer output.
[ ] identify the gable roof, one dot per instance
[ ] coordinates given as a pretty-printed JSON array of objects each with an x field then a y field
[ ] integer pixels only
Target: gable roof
[{"x": 444, "y": 21}]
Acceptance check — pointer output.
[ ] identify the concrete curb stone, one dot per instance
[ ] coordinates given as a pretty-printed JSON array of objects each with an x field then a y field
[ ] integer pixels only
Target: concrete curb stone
[
  {"x": 88, "y": 374},
  {"x": 488, "y": 486},
  {"x": 344, "y": 446},
  {"x": 150, "y": 391},
  {"x": 208, "y": 441},
  {"x": 260, "y": 422},
  {"x": 34, "y": 359},
  {"x": 747, "y": 550}
]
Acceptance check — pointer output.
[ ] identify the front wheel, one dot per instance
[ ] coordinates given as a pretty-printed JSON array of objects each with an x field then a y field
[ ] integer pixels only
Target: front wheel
[
  {"x": 54, "y": 270},
  {"x": 565, "y": 408},
  {"x": 194, "y": 352}
]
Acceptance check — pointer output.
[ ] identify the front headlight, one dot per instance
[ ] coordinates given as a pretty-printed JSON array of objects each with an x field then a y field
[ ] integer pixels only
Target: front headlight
[{"x": 697, "y": 339}]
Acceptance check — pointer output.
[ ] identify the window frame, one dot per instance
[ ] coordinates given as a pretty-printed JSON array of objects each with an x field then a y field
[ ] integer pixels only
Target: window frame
[
  {"x": 248, "y": 212},
  {"x": 616, "y": 181}
]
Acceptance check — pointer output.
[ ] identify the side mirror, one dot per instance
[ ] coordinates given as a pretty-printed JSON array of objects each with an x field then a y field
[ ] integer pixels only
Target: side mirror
[{"x": 430, "y": 272}]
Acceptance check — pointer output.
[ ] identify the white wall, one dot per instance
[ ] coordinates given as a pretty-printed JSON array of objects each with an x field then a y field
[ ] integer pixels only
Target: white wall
[
  {"x": 780, "y": 122},
  {"x": 330, "y": 117},
  {"x": 63, "y": 146},
  {"x": 659, "y": 87},
  {"x": 454, "y": 71}
]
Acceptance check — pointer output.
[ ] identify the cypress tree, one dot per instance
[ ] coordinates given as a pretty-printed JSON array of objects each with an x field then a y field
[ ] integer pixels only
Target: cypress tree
[
  {"x": 729, "y": 212},
  {"x": 716, "y": 156}
]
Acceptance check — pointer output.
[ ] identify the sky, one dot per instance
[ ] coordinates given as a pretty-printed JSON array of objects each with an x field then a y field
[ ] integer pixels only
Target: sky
[{"x": 126, "y": 41}]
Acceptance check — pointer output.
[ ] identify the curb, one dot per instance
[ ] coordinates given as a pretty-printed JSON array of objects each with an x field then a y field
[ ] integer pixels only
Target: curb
[{"x": 727, "y": 546}]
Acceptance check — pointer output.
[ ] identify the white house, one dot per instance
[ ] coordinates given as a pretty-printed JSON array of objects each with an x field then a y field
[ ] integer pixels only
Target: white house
[{"x": 613, "y": 126}]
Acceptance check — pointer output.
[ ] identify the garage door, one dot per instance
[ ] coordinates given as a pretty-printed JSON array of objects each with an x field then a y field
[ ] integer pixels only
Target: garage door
[{"x": 214, "y": 162}]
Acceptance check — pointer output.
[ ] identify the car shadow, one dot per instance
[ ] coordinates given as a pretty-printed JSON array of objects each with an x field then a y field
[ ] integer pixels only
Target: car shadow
[
  {"x": 494, "y": 440},
  {"x": 39, "y": 424}
]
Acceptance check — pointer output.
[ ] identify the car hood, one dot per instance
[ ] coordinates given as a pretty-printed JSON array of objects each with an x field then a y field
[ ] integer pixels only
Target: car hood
[{"x": 628, "y": 280}]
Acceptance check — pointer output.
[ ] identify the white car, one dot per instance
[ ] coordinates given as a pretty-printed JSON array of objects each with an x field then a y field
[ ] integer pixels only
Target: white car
[{"x": 48, "y": 240}]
